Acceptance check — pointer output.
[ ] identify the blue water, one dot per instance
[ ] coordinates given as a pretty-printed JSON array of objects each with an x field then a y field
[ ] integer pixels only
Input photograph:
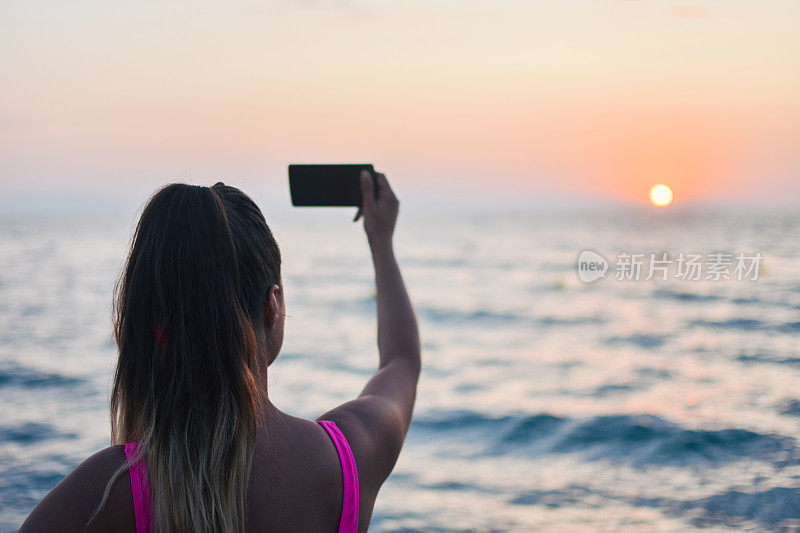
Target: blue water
[{"x": 545, "y": 403}]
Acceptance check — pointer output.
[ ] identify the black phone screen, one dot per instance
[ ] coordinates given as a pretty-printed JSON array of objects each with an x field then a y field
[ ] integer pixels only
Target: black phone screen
[{"x": 327, "y": 185}]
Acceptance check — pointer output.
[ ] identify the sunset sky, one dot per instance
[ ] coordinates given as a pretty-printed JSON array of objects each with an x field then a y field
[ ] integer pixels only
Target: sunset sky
[{"x": 569, "y": 99}]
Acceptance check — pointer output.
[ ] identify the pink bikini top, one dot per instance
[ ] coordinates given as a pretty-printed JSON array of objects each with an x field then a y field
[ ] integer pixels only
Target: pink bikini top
[{"x": 348, "y": 523}]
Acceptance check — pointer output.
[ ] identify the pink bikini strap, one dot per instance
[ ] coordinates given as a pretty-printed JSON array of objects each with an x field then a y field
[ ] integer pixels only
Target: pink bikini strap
[
  {"x": 142, "y": 510},
  {"x": 348, "y": 523}
]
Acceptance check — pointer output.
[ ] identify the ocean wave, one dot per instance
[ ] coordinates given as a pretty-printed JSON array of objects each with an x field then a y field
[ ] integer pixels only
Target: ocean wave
[
  {"x": 775, "y": 509},
  {"x": 639, "y": 339},
  {"x": 654, "y": 373},
  {"x": 31, "y": 432},
  {"x": 458, "y": 486},
  {"x": 649, "y": 440},
  {"x": 772, "y": 509},
  {"x": 613, "y": 388},
  {"x": 744, "y": 324},
  {"x": 439, "y": 315},
  {"x": 574, "y": 321},
  {"x": 438, "y": 262},
  {"x": 790, "y": 407},
  {"x": 789, "y": 327},
  {"x": 568, "y": 496},
  {"x": 441, "y": 421},
  {"x": 530, "y": 428},
  {"x": 24, "y": 483},
  {"x": 19, "y": 480},
  {"x": 746, "y": 301},
  {"x": 768, "y": 358},
  {"x": 686, "y": 296},
  {"x": 640, "y": 440},
  {"x": 15, "y": 375},
  {"x": 747, "y": 324}
]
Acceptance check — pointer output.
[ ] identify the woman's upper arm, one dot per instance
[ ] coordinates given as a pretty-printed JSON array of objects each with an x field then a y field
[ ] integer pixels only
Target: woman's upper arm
[
  {"x": 71, "y": 503},
  {"x": 375, "y": 423}
]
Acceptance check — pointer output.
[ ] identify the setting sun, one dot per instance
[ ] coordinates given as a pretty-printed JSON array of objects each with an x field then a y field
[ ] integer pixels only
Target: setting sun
[{"x": 661, "y": 195}]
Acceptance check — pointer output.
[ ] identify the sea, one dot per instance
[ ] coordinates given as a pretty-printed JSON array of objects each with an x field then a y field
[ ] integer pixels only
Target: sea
[{"x": 632, "y": 402}]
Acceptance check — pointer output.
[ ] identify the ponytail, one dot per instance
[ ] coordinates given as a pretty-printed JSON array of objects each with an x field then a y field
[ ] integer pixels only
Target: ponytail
[{"x": 190, "y": 384}]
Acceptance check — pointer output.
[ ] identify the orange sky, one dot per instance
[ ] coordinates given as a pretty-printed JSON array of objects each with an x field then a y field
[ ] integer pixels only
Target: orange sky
[{"x": 554, "y": 97}]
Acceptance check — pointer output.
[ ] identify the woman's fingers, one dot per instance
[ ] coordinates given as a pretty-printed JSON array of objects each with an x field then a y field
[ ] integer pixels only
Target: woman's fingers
[
  {"x": 367, "y": 192},
  {"x": 369, "y": 203},
  {"x": 383, "y": 184},
  {"x": 384, "y": 189}
]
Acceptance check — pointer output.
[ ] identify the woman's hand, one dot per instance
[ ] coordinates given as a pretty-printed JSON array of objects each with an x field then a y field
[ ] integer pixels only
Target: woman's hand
[{"x": 379, "y": 214}]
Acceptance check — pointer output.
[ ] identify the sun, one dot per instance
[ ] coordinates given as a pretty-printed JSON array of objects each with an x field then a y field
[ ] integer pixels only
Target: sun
[{"x": 661, "y": 195}]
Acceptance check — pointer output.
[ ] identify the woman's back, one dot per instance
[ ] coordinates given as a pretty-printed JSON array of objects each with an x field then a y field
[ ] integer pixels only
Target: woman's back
[
  {"x": 296, "y": 484},
  {"x": 199, "y": 319},
  {"x": 300, "y": 476},
  {"x": 296, "y": 479}
]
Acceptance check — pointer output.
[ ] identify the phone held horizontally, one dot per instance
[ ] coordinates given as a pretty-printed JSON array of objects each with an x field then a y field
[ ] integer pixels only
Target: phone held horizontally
[{"x": 327, "y": 185}]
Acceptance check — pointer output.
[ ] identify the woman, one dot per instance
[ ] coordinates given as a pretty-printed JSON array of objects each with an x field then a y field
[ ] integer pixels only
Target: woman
[{"x": 198, "y": 446}]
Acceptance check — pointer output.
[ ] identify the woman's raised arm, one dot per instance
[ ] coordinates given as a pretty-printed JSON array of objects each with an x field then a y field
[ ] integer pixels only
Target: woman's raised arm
[{"x": 377, "y": 421}]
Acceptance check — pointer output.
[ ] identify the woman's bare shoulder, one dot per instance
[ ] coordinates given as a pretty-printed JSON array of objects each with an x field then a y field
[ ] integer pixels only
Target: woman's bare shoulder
[{"x": 72, "y": 503}]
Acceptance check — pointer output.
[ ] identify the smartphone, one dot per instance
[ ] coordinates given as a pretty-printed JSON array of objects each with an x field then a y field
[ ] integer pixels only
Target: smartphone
[{"x": 328, "y": 185}]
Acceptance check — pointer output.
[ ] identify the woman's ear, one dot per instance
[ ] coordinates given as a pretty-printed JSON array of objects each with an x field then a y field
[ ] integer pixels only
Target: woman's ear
[{"x": 273, "y": 306}]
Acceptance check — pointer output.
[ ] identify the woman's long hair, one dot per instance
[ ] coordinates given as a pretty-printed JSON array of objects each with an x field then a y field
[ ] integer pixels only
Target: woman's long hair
[{"x": 190, "y": 382}]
